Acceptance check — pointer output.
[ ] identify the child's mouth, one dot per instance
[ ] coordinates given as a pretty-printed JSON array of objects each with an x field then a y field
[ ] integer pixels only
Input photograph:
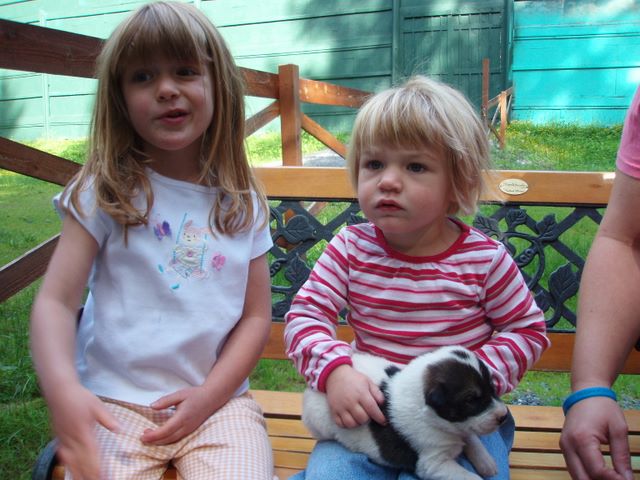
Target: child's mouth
[
  {"x": 174, "y": 114},
  {"x": 388, "y": 205}
]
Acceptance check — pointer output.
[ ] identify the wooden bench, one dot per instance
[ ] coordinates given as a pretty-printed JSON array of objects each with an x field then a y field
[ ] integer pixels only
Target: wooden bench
[{"x": 534, "y": 220}]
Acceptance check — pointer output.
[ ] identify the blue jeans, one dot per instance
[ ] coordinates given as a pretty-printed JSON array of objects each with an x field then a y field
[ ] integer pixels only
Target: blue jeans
[{"x": 331, "y": 461}]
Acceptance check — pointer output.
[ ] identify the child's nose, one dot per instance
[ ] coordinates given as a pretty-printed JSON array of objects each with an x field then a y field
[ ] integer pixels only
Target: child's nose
[
  {"x": 389, "y": 180},
  {"x": 167, "y": 88}
]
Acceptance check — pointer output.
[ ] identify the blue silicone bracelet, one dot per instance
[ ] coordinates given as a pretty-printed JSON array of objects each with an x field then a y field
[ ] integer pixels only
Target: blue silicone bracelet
[{"x": 575, "y": 397}]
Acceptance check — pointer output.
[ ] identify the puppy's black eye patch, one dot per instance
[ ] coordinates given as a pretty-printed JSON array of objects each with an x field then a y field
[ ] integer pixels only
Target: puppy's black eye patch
[
  {"x": 472, "y": 398},
  {"x": 457, "y": 391}
]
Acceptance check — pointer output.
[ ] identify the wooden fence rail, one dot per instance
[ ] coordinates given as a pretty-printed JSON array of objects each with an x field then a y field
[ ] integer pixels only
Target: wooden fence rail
[{"x": 45, "y": 50}]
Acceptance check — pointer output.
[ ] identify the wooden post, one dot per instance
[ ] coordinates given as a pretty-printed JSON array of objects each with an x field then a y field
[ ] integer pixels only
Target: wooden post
[
  {"x": 485, "y": 90},
  {"x": 503, "y": 118},
  {"x": 290, "y": 115}
]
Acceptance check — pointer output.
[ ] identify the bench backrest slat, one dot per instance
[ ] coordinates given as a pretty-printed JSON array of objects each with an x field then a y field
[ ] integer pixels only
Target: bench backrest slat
[
  {"x": 556, "y": 359},
  {"x": 544, "y": 187}
]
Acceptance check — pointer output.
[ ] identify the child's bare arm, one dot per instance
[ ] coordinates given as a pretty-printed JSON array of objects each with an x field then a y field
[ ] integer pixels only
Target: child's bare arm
[
  {"x": 74, "y": 410},
  {"x": 238, "y": 357}
]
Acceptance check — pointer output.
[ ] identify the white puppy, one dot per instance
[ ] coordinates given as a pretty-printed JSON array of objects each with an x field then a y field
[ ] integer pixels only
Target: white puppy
[{"x": 436, "y": 406}]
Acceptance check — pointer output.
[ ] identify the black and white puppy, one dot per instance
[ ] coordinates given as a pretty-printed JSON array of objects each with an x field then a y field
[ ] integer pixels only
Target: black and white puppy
[{"x": 436, "y": 406}]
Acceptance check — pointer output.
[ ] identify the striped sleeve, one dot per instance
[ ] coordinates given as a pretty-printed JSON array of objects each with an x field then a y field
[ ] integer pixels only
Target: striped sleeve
[
  {"x": 311, "y": 323},
  {"x": 520, "y": 337}
]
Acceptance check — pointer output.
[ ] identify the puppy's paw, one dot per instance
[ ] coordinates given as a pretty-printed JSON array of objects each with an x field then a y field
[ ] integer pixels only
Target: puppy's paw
[
  {"x": 486, "y": 467},
  {"x": 480, "y": 458},
  {"x": 448, "y": 470}
]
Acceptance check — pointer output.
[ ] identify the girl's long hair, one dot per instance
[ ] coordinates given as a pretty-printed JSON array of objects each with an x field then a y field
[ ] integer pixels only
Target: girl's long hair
[{"x": 116, "y": 162}]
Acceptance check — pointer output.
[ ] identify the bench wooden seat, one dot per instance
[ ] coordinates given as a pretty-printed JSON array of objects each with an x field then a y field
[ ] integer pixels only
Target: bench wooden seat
[{"x": 536, "y": 454}]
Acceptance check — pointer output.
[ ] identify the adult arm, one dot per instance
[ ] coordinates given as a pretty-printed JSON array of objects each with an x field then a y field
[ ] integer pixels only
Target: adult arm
[{"x": 608, "y": 327}]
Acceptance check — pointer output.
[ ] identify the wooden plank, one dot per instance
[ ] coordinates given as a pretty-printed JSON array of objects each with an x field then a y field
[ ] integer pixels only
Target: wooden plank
[
  {"x": 39, "y": 49},
  {"x": 299, "y": 445},
  {"x": 295, "y": 460},
  {"x": 275, "y": 348},
  {"x": 23, "y": 271},
  {"x": 279, "y": 404},
  {"x": 260, "y": 84},
  {"x": 290, "y": 123},
  {"x": 313, "y": 91},
  {"x": 315, "y": 129},
  {"x": 536, "y": 474},
  {"x": 556, "y": 188},
  {"x": 543, "y": 418},
  {"x": 553, "y": 460},
  {"x": 261, "y": 118},
  {"x": 286, "y": 427},
  {"x": 538, "y": 418},
  {"x": 306, "y": 182},
  {"x": 544, "y": 187},
  {"x": 544, "y": 460},
  {"x": 536, "y": 441},
  {"x": 556, "y": 359},
  {"x": 35, "y": 163},
  {"x": 46, "y": 50},
  {"x": 547, "y": 441},
  {"x": 528, "y": 418},
  {"x": 559, "y": 356}
]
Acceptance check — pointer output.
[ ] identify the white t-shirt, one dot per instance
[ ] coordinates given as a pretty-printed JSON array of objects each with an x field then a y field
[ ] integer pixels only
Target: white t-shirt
[{"x": 160, "y": 309}]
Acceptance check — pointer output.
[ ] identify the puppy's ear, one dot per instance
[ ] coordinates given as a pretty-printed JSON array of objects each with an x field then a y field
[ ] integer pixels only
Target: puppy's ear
[
  {"x": 435, "y": 396},
  {"x": 391, "y": 370}
]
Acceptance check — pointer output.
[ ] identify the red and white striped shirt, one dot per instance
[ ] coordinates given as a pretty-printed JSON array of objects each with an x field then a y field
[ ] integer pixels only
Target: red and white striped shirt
[{"x": 400, "y": 306}]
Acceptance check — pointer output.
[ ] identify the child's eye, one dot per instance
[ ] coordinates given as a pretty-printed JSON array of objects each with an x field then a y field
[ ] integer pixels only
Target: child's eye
[
  {"x": 373, "y": 164},
  {"x": 416, "y": 167},
  {"x": 188, "y": 71},
  {"x": 141, "y": 76}
]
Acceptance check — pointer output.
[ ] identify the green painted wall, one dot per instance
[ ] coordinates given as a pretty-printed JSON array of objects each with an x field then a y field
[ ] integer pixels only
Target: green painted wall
[
  {"x": 570, "y": 60},
  {"x": 449, "y": 39},
  {"x": 343, "y": 42},
  {"x": 575, "y": 61},
  {"x": 365, "y": 44}
]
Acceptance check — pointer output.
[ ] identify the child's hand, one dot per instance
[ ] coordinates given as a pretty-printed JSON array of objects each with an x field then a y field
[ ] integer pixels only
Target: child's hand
[
  {"x": 193, "y": 406},
  {"x": 353, "y": 398},
  {"x": 74, "y": 415}
]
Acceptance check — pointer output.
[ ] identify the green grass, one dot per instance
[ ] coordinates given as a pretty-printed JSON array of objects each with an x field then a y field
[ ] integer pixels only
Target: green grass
[
  {"x": 558, "y": 147},
  {"x": 266, "y": 148},
  {"x": 24, "y": 430},
  {"x": 29, "y": 219}
]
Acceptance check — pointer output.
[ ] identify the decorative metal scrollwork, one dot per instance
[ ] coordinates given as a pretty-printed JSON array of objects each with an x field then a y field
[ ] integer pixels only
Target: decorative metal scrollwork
[
  {"x": 299, "y": 232},
  {"x": 530, "y": 242},
  {"x": 534, "y": 238}
]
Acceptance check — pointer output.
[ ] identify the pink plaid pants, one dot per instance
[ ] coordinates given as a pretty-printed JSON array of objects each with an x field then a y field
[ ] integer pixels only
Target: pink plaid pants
[{"x": 232, "y": 444}]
